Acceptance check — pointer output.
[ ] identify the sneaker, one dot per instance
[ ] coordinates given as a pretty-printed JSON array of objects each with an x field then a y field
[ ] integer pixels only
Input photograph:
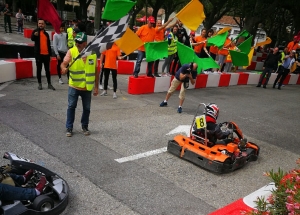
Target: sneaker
[
  {"x": 41, "y": 185},
  {"x": 104, "y": 93},
  {"x": 179, "y": 110},
  {"x": 258, "y": 85},
  {"x": 40, "y": 87},
  {"x": 163, "y": 75},
  {"x": 110, "y": 88},
  {"x": 136, "y": 76},
  {"x": 265, "y": 86},
  {"x": 156, "y": 75},
  {"x": 28, "y": 175},
  {"x": 51, "y": 87},
  {"x": 163, "y": 104},
  {"x": 169, "y": 75},
  {"x": 151, "y": 76},
  {"x": 60, "y": 81},
  {"x": 114, "y": 96},
  {"x": 85, "y": 130},
  {"x": 69, "y": 132},
  {"x": 100, "y": 87}
]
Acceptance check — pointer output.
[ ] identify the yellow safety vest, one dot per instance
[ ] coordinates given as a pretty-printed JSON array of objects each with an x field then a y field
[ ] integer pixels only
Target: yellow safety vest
[
  {"x": 172, "y": 48},
  {"x": 71, "y": 41},
  {"x": 82, "y": 74},
  {"x": 282, "y": 58}
]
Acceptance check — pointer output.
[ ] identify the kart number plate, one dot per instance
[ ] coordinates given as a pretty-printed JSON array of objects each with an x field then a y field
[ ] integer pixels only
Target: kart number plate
[{"x": 200, "y": 122}]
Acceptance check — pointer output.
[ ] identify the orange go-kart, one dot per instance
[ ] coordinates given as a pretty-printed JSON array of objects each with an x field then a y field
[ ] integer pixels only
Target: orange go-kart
[{"x": 220, "y": 157}]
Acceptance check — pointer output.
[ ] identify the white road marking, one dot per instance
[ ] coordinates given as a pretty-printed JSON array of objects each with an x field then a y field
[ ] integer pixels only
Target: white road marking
[
  {"x": 5, "y": 85},
  {"x": 1, "y": 95},
  {"x": 141, "y": 155},
  {"x": 179, "y": 129}
]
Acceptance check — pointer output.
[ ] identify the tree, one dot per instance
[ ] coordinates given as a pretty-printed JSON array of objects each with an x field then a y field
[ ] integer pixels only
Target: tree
[
  {"x": 84, "y": 4},
  {"x": 171, "y": 6},
  {"x": 135, "y": 10}
]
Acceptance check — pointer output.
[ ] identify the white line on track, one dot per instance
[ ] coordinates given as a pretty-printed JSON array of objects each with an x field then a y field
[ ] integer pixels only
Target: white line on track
[
  {"x": 5, "y": 85},
  {"x": 141, "y": 155}
]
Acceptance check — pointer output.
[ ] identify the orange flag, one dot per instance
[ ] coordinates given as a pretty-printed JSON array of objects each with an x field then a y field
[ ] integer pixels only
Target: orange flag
[
  {"x": 129, "y": 42},
  {"x": 192, "y": 15}
]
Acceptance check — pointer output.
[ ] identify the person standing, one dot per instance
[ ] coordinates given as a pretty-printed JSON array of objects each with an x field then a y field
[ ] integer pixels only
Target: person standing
[
  {"x": 287, "y": 64},
  {"x": 172, "y": 49},
  {"x": 7, "y": 21},
  {"x": 293, "y": 45},
  {"x": 60, "y": 48},
  {"x": 270, "y": 65},
  {"x": 187, "y": 73},
  {"x": 159, "y": 37},
  {"x": 200, "y": 43},
  {"x": 70, "y": 33},
  {"x": 147, "y": 34},
  {"x": 42, "y": 53},
  {"x": 110, "y": 65},
  {"x": 224, "y": 52},
  {"x": 84, "y": 77},
  {"x": 20, "y": 20}
]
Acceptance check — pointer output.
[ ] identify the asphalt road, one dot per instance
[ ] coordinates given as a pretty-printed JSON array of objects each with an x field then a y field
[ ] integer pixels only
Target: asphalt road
[{"x": 32, "y": 124}]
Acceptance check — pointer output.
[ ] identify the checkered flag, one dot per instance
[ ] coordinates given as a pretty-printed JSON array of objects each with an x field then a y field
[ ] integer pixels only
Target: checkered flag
[{"x": 105, "y": 39}]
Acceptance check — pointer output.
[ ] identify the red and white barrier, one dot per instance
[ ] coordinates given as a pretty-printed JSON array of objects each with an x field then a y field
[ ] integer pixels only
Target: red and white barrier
[{"x": 247, "y": 203}]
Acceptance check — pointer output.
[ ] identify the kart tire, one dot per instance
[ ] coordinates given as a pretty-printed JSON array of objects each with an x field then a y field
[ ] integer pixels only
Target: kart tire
[{"x": 43, "y": 203}]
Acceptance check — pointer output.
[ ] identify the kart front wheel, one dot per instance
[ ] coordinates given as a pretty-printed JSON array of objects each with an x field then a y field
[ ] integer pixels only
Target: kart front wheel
[{"x": 43, "y": 203}]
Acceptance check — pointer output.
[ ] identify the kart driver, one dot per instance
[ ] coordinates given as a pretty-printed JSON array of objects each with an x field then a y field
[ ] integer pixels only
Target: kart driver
[
  {"x": 214, "y": 131},
  {"x": 8, "y": 192}
]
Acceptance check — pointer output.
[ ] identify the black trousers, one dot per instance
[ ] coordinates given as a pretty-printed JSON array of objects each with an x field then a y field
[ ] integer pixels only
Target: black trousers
[
  {"x": 281, "y": 75},
  {"x": 106, "y": 77},
  {"x": 62, "y": 56},
  {"x": 7, "y": 21},
  {"x": 156, "y": 67},
  {"x": 40, "y": 60},
  {"x": 175, "y": 62}
]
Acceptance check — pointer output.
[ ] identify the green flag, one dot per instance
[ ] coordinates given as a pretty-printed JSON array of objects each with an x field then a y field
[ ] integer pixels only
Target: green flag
[
  {"x": 156, "y": 50},
  {"x": 244, "y": 33},
  {"x": 116, "y": 9},
  {"x": 239, "y": 58},
  {"x": 246, "y": 45},
  {"x": 217, "y": 40},
  {"x": 185, "y": 53}
]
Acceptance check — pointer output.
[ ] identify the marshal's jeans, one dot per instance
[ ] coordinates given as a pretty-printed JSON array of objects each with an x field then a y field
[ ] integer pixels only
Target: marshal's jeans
[
  {"x": 9, "y": 193},
  {"x": 86, "y": 97}
]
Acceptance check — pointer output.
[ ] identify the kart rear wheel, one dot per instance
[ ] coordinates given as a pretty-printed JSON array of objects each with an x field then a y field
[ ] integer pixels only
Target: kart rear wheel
[{"x": 43, "y": 203}]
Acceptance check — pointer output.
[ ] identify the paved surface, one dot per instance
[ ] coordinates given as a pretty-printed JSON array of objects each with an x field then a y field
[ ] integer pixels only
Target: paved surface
[{"x": 32, "y": 124}]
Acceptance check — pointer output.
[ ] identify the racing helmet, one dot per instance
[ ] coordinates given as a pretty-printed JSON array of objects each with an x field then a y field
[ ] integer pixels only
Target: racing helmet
[{"x": 212, "y": 110}]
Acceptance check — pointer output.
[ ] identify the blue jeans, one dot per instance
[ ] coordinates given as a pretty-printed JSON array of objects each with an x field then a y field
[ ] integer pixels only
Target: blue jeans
[
  {"x": 9, "y": 193},
  {"x": 267, "y": 71},
  {"x": 86, "y": 97},
  {"x": 139, "y": 60}
]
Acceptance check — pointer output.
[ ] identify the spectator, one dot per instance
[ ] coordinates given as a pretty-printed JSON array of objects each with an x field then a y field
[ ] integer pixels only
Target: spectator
[
  {"x": 70, "y": 33},
  {"x": 7, "y": 21},
  {"x": 110, "y": 65},
  {"x": 60, "y": 48},
  {"x": 20, "y": 21},
  {"x": 147, "y": 34},
  {"x": 10, "y": 193},
  {"x": 228, "y": 61},
  {"x": 160, "y": 36},
  {"x": 185, "y": 74},
  {"x": 42, "y": 53},
  {"x": 287, "y": 64},
  {"x": 224, "y": 52},
  {"x": 293, "y": 45},
  {"x": 200, "y": 43},
  {"x": 213, "y": 50},
  {"x": 270, "y": 65},
  {"x": 83, "y": 78},
  {"x": 192, "y": 38},
  {"x": 172, "y": 49}
]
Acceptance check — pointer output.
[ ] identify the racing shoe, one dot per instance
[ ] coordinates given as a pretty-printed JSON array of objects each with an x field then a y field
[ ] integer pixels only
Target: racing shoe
[
  {"x": 28, "y": 175},
  {"x": 41, "y": 185},
  {"x": 69, "y": 132},
  {"x": 85, "y": 130},
  {"x": 163, "y": 104},
  {"x": 179, "y": 110}
]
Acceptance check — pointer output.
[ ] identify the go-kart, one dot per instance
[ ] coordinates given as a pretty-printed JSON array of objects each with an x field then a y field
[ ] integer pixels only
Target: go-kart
[
  {"x": 220, "y": 157},
  {"x": 53, "y": 199}
]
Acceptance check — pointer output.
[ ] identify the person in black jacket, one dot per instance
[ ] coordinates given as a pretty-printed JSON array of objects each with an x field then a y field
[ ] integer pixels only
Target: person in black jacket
[
  {"x": 42, "y": 53},
  {"x": 270, "y": 65}
]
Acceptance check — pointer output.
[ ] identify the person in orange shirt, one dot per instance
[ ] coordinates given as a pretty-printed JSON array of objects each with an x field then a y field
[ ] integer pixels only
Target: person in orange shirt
[
  {"x": 228, "y": 60},
  {"x": 110, "y": 65},
  {"x": 200, "y": 42},
  {"x": 147, "y": 34},
  {"x": 293, "y": 45},
  {"x": 160, "y": 36},
  {"x": 42, "y": 53},
  {"x": 224, "y": 52}
]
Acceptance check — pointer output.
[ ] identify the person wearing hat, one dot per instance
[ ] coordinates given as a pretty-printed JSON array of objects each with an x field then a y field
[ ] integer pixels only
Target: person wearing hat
[
  {"x": 293, "y": 45},
  {"x": 147, "y": 34},
  {"x": 84, "y": 77}
]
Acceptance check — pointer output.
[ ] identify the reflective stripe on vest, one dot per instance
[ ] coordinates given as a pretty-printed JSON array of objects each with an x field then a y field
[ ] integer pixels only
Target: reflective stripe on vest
[
  {"x": 71, "y": 41},
  {"x": 82, "y": 74},
  {"x": 172, "y": 48}
]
